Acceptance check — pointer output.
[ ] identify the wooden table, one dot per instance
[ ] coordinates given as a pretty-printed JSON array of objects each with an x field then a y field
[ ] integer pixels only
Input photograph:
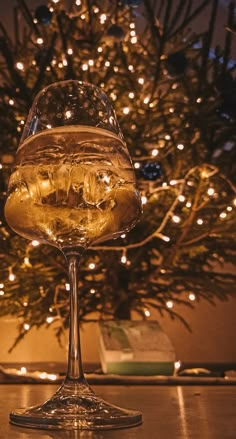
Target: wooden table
[{"x": 169, "y": 412}]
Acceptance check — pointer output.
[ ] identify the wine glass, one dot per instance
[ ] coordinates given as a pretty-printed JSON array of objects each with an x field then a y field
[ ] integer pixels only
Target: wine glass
[{"x": 73, "y": 186}]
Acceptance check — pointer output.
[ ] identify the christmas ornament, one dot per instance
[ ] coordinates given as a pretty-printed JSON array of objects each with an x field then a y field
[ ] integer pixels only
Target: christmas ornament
[
  {"x": 151, "y": 171},
  {"x": 131, "y": 3},
  {"x": 116, "y": 32},
  {"x": 176, "y": 64},
  {"x": 43, "y": 15}
]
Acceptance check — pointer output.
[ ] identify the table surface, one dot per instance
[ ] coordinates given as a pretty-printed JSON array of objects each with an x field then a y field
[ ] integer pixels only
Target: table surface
[{"x": 169, "y": 412}]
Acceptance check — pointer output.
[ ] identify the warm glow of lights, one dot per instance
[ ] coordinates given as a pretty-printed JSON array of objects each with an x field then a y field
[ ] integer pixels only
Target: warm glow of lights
[
  {"x": 177, "y": 365},
  {"x": 116, "y": 69},
  {"x": 23, "y": 370},
  {"x": 20, "y": 65},
  {"x": 49, "y": 319},
  {"x": 92, "y": 291},
  {"x": 103, "y": 18},
  {"x": 154, "y": 152},
  {"x": 123, "y": 235},
  {"x": 223, "y": 215},
  {"x": 96, "y": 10},
  {"x": 181, "y": 198},
  {"x": 113, "y": 96},
  {"x": 167, "y": 137},
  {"x": 131, "y": 95},
  {"x": 2, "y": 293},
  {"x": 26, "y": 326},
  {"x": 1, "y": 285},
  {"x": 211, "y": 191},
  {"x": 84, "y": 67},
  {"x": 137, "y": 165},
  {"x": 126, "y": 110},
  {"x": 141, "y": 80},
  {"x": 48, "y": 126},
  {"x": 180, "y": 146},
  {"x": 171, "y": 110},
  {"x": 60, "y": 65},
  {"x": 39, "y": 41},
  {"x": 123, "y": 259},
  {"x": 68, "y": 114},
  {"x": 133, "y": 40},
  {"x": 91, "y": 62},
  {"x": 188, "y": 204},
  {"x": 11, "y": 277},
  {"x": 0, "y": 168},
  {"x": 131, "y": 68},
  {"x": 146, "y": 100},
  {"x": 52, "y": 376},
  {"x": 35, "y": 243},
  {"x": 107, "y": 63},
  {"x": 27, "y": 261},
  {"x": 169, "y": 304},
  {"x": 192, "y": 297},
  {"x": 99, "y": 49},
  {"x": 132, "y": 25},
  {"x": 25, "y": 304},
  {"x": 229, "y": 208},
  {"x": 176, "y": 219},
  {"x": 78, "y": 2},
  {"x": 234, "y": 202},
  {"x": 166, "y": 238},
  {"x": 64, "y": 62},
  {"x": 199, "y": 221},
  {"x": 132, "y": 33},
  {"x": 11, "y": 102},
  {"x": 83, "y": 16},
  {"x": 173, "y": 182},
  {"x": 67, "y": 287},
  {"x": 199, "y": 100},
  {"x": 147, "y": 313},
  {"x": 144, "y": 199},
  {"x": 92, "y": 265}
]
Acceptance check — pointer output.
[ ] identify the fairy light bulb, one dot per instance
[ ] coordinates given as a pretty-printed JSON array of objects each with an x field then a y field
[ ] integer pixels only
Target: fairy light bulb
[
  {"x": 181, "y": 198},
  {"x": 113, "y": 96},
  {"x": 96, "y": 10},
  {"x": 2, "y": 293},
  {"x": 99, "y": 49},
  {"x": 137, "y": 165},
  {"x": 103, "y": 18},
  {"x": 26, "y": 326},
  {"x": 107, "y": 63},
  {"x": 78, "y": 2},
  {"x": 176, "y": 219},
  {"x": 141, "y": 80},
  {"x": 234, "y": 202},
  {"x": 126, "y": 110},
  {"x": 92, "y": 291},
  {"x": 91, "y": 62},
  {"x": 180, "y": 146},
  {"x": 167, "y": 137},
  {"x": 166, "y": 238},
  {"x": 67, "y": 286},
  {"x": 132, "y": 25},
  {"x": 147, "y": 313},
  {"x": 173, "y": 182},
  {"x": 1, "y": 166},
  {"x": 143, "y": 199},
  {"x": 133, "y": 40},
  {"x": 229, "y": 208},
  {"x": 192, "y": 297},
  {"x": 123, "y": 235},
  {"x": 146, "y": 100},
  {"x": 123, "y": 258},
  {"x": 210, "y": 191},
  {"x": 49, "y": 319},
  {"x": 1, "y": 285},
  {"x": 92, "y": 266},
  {"x": 188, "y": 204},
  {"x": 169, "y": 304},
  {"x": 11, "y": 276},
  {"x": 199, "y": 221},
  {"x": 84, "y": 67},
  {"x": 131, "y": 95},
  {"x": 39, "y": 41},
  {"x": 11, "y": 102},
  {"x": 131, "y": 68},
  {"x": 20, "y": 65},
  {"x": 223, "y": 215},
  {"x": 70, "y": 51}
]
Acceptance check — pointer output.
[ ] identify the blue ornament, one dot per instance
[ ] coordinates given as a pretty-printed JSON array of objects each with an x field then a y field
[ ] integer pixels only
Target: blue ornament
[
  {"x": 151, "y": 171},
  {"x": 43, "y": 15},
  {"x": 131, "y": 3}
]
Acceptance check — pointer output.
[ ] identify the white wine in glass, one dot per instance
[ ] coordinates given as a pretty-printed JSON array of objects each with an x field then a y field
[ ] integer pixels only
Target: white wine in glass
[{"x": 73, "y": 185}]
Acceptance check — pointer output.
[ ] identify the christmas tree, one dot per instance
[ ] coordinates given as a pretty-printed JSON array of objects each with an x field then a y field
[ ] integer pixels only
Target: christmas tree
[{"x": 175, "y": 98}]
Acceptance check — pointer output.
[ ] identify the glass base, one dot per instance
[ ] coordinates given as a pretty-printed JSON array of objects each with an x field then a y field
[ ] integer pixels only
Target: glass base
[{"x": 75, "y": 412}]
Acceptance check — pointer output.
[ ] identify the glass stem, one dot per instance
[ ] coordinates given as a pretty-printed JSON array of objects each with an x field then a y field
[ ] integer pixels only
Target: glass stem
[{"x": 74, "y": 368}]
